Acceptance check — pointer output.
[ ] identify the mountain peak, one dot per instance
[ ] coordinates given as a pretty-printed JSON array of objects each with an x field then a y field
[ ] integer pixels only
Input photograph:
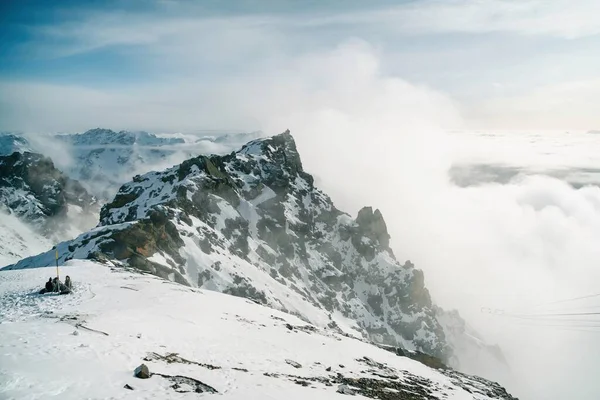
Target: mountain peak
[
  {"x": 280, "y": 149},
  {"x": 252, "y": 223}
]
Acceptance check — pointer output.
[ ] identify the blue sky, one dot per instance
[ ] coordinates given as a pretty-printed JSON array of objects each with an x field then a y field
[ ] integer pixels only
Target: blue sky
[{"x": 503, "y": 63}]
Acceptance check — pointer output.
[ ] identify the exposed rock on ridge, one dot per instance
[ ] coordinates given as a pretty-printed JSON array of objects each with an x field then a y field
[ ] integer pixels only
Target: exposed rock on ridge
[{"x": 39, "y": 194}]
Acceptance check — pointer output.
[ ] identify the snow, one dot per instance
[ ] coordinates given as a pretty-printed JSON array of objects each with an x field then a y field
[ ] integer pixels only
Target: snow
[
  {"x": 18, "y": 240},
  {"x": 54, "y": 346}
]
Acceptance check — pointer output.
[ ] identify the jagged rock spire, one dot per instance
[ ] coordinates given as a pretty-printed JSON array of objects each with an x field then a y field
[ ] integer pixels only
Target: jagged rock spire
[{"x": 373, "y": 226}]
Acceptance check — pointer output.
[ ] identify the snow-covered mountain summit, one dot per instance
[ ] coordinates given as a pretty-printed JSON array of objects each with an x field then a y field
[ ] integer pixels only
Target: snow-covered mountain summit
[
  {"x": 107, "y": 137},
  {"x": 252, "y": 224},
  {"x": 13, "y": 142},
  {"x": 103, "y": 159}
]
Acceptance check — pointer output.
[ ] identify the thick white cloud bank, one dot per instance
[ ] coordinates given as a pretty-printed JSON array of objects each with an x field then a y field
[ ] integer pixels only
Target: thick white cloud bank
[{"x": 375, "y": 139}]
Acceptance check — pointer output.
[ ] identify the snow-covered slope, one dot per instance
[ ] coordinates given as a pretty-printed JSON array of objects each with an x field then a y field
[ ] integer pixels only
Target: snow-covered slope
[
  {"x": 18, "y": 240},
  {"x": 253, "y": 224},
  {"x": 33, "y": 190},
  {"x": 86, "y": 346}
]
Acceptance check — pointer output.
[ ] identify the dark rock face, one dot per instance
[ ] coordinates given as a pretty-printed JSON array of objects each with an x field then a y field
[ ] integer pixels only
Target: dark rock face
[
  {"x": 252, "y": 224},
  {"x": 372, "y": 226},
  {"x": 36, "y": 192}
]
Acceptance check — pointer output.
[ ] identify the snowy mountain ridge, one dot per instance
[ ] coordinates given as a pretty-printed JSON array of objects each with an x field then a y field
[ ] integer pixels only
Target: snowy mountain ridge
[
  {"x": 100, "y": 136},
  {"x": 103, "y": 159},
  {"x": 13, "y": 142},
  {"x": 253, "y": 224}
]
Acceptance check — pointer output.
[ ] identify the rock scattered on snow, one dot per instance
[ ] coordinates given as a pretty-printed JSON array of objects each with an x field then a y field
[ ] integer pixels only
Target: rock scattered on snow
[
  {"x": 185, "y": 384},
  {"x": 142, "y": 372},
  {"x": 171, "y": 358},
  {"x": 293, "y": 363}
]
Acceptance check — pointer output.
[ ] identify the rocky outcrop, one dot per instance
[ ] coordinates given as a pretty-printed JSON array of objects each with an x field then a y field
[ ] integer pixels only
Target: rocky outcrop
[{"x": 39, "y": 194}]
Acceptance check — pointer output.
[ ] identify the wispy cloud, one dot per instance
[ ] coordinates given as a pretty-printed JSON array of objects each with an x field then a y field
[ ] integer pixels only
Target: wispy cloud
[
  {"x": 561, "y": 18},
  {"x": 178, "y": 50},
  {"x": 178, "y": 22}
]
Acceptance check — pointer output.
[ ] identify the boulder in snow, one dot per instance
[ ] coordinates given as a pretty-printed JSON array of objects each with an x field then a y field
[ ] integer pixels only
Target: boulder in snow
[
  {"x": 142, "y": 372},
  {"x": 293, "y": 363}
]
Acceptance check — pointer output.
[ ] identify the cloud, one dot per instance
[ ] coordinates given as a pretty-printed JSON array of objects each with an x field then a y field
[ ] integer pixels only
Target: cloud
[
  {"x": 176, "y": 51},
  {"x": 184, "y": 105}
]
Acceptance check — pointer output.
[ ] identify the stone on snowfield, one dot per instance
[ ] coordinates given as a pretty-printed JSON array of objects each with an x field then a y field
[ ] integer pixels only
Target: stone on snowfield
[
  {"x": 293, "y": 363},
  {"x": 142, "y": 372}
]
